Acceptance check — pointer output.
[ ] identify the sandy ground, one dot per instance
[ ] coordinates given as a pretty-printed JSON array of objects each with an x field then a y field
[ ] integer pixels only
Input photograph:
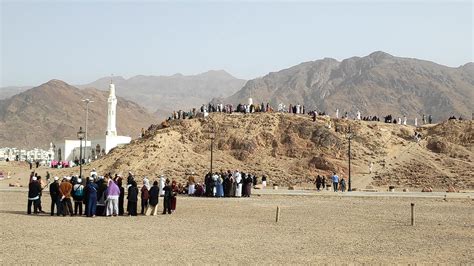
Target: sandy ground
[{"x": 322, "y": 228}]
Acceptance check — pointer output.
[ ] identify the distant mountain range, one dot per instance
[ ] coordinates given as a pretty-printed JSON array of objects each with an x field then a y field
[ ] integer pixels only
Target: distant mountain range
[
  {"x": 54, "y": 111},
  {"x": 164, "y": 94},
  {"x": 377, "y": 84}
]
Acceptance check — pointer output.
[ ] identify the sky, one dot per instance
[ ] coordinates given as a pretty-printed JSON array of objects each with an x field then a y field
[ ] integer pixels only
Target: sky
[{"x": 81, "y": 41}]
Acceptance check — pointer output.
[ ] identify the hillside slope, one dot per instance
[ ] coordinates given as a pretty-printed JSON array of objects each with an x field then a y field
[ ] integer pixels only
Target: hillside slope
[
  {"x": 54, "y": 111},
  {"x": 292, "y": 149}
]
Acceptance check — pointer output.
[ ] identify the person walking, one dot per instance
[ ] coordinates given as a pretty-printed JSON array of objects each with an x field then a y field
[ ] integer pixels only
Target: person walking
[
  {"x": 78, "y": 196},
  {"x": 65, "y": 189},
  {"x": 335, "y": 181},
  {"x": 55, "y": 197},
  {"x": 122, "y": 195},
  {"x": 132, "y": 199},
  {"x": 154, "y": 194}
]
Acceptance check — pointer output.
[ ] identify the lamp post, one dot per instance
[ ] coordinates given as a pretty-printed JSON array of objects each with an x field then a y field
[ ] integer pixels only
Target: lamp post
[
  {"x": 212, "y": 136},
  {"x": 87, "y": 101},
  {"x": 349, "y": 137},
  {"x": 80, "y": 136}
]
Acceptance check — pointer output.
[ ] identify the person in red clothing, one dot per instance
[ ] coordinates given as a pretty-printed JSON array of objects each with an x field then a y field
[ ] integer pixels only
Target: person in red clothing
[
  {"x": 174, "y": 190},
  {"x": 65, "y": 189},
  {"x": 145, "y": 195}
]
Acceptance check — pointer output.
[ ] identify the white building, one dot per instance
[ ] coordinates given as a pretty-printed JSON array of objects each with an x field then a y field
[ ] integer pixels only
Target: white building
[
  {"x": 32, "y": 155},
  {"x": 69, "y": 150}
]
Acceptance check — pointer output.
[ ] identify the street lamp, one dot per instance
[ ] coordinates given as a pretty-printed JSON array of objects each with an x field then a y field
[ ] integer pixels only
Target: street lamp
[
  {"x": 350, "y": 135},
  {"x": 212, "y": 136},
  {"x": 87, "y": 101},
  {"x": 80, "y": 136}
]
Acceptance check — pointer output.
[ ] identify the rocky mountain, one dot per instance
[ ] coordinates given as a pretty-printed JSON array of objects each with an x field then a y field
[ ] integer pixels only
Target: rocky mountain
[
  {"x": 169, "y": 93},
  {"x": 377, "y": 84},
  {"x": 292, "y": 150},
  {"x": 54, "y": 111}
]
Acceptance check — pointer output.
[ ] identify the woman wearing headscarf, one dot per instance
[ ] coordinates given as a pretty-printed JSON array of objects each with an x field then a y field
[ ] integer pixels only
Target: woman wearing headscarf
[
  {"x": 113, "y": 194},
  {"x": 145, "y": 194},
  {"x": 167, "y": 197},
  {"x": 101, "y": 196},
  {"x": 174, "y": 190},
  {"x": 132, "y": 199},
  {"x": 219, "y": 187},
  {"x": 153, "y": 200},
  {"x": 122, "y": 195}
]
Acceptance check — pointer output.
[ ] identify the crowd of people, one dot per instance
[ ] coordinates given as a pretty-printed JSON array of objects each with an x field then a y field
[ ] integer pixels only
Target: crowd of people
[{"x": 101, "y": 195}]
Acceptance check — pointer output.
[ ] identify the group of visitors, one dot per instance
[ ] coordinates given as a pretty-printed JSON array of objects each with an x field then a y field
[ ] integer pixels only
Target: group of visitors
[
  {"x": 102, "y": 195},
  {"x": 338, "y": 184}
]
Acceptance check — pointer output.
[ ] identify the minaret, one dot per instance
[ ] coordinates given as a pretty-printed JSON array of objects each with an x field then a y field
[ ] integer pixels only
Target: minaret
[{"x": 111, "y": 114}]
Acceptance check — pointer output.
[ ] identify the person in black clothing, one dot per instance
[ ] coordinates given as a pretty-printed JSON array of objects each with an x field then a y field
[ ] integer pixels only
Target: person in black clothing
[
  {"x": 34, "y": 190},
  {"x": 132, "y": 199},
  {"x": 167, "y": 198},
  {"x": 55, "y": 197},
  {"x": 319, "y": 181},
  {"x": 122, "y": 195},
  {"x": 154, "y": 195}
]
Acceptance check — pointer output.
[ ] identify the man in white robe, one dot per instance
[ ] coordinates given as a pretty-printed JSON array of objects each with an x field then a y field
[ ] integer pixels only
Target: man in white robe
[{"x": 238, "y": 181}]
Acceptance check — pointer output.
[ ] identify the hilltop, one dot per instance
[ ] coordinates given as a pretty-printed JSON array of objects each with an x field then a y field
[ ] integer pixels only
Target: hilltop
[
  {"x": 376, "y": 84},
  {"x": 292, "y": 150}
]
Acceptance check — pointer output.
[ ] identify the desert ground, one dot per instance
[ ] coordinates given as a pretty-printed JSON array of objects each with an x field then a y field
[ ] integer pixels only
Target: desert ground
[{"x": 314, "y": 227}]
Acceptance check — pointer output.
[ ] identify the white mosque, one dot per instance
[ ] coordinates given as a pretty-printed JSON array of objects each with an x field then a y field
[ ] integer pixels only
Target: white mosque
[{"x": 68, "y": 150}]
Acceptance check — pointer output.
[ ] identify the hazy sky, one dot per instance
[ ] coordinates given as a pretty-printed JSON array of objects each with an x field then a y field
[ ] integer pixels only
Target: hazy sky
[{"x": 80, "y": 41}]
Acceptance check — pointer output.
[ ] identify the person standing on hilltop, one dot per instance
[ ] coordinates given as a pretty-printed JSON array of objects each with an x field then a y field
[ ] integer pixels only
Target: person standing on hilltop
[
  {"x": 430, "y": 119},
  {"x": 335, "y": 181}
]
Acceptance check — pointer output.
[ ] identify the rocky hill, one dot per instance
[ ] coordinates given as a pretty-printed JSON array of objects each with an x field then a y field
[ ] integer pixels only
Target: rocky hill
[
  {"x": 291, "y": 150},
  {"x": 169, "y": 93},
  {"x": 377, "y": 84},
  {"x": 54, "y": 111}
]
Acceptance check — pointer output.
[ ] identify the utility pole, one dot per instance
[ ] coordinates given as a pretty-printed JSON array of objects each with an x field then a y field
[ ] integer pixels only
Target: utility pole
[
  {"x": 212, "y": 137},
  {"x": 349, "y": 136},
  {"x": 87, "y": 101}
]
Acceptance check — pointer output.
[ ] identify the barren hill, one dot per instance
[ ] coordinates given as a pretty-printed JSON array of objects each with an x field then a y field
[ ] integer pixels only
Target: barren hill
[
  {"x": 54, "y": 111},
  {"x": 377, "y": 84},
  {"x": 291, "y": 149},
  {"x": 170, "y": 93}
]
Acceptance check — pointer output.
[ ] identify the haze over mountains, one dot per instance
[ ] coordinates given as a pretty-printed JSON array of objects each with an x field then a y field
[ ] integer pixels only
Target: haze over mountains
[
  {"x": 377, "y": 84},
  {"x": 170, "y": 93},
  {"x": 54, "y": 111}
]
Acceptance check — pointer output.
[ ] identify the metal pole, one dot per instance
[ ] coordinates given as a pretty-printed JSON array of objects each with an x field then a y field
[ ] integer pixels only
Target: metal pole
[
  {"x": 80, "y": 156},
  {"x": 350, "y": 181},
  {"x": 212, "y": 145},
  {"x": 412, "y": 214},
  {"x": 87, "y": 118},
  {"x": 277, "y": 218}
]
